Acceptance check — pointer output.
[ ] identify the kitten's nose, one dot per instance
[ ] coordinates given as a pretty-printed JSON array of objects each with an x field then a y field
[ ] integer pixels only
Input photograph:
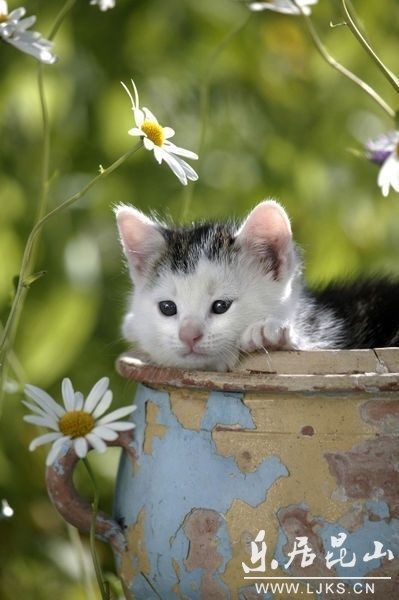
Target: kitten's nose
[{"x": 190, "y": 333}]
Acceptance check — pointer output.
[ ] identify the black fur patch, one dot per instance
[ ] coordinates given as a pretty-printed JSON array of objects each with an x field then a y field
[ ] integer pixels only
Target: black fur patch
[
  {"x": 369, "y": 310},
  {"x": 186, "y": 245}
]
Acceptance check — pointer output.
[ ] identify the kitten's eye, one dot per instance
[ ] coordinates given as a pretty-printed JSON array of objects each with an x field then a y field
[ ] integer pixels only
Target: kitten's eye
[
  {"x": 167, "y": 308},
  {"x": 221, "y": 306}
]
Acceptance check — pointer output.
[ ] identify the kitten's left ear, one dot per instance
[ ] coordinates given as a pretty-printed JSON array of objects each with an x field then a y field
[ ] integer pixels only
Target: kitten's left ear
[
  {"x": 266, "y": 233},
  {"x": 141, "y": 239}
]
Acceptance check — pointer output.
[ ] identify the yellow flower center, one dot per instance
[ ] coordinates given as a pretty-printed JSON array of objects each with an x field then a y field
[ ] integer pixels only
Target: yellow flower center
[
  {"x": 3, "y": 18},
  {"x": 76, "y": 423},
  {"x": 154, "y": 132}
]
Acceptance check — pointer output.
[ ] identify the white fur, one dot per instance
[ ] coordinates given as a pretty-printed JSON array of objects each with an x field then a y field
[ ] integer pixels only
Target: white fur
[
  {"x": 255, "y": 294},
  {"x": 267, "y": 311}
]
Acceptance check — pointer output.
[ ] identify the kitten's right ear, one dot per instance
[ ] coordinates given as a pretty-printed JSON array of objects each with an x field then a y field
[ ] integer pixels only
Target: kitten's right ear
[
  {"x": 141, "y": 239},
  {"x": 266, "y": 233}
]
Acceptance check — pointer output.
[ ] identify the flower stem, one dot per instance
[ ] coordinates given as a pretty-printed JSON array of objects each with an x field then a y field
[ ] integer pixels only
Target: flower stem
[
  {"x": 353, "y": 26},
  {"x": 11, "y": 325},
  {"x": 44, "y": 183},
  {"x": 60, "y": 17},
  {"x": 85, "y": 572},
  {"x": 204, "y": 105},
  {"x": 104, "y": 588},
  {"x": 340, "y": 68},
  {"x": 16, "y": 309}
]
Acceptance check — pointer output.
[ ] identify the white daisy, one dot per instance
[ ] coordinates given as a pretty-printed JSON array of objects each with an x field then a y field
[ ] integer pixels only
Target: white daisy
[
  {"x": 385, "y": 151},
  {"x": 104, "y": 4},
  {"x": 156, "y": 138},
  {"x": 14, "y": 31},
  {"x": 80, "y": 423},
  {"x": 287, "y": 7}
]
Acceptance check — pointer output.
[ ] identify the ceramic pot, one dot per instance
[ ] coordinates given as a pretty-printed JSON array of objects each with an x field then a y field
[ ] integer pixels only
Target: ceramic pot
[{"x": 282, "y": 473}]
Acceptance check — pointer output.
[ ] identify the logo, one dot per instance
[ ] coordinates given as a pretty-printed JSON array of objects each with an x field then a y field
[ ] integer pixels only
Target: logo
[{"x": 302, "y": 554}]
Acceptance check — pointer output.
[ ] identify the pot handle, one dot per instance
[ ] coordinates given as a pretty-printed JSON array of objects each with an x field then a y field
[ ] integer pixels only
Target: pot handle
[{"x": 75, "y": 510}]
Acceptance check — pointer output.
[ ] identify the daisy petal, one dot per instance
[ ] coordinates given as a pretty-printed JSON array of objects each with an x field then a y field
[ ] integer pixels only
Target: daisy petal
[
  {"x": 68, "y": 394},
  {"x": 180, "y": 151},
  {"x": 79, "y": 401},
  {"x": 121, "y": 425},
  {"x": 81, "y": 446},
  {"x": 149, "y": 115},
  {"x": 189, "y": 171},
  {"x": 52, "y": 455},
  {"x": 26, "y": 23},
  {"x": 148, "y": 144},
  {"x": 43, "y": 439},
  {"x": 119, "y": 413},
  {"x": 135, "y": 131},
  {"x": 34, "y": 408},
  {"x": 139, "y": 117},
  {"x": 44, "y": 400},
  {"x": 96, "y": 393},
  {"x": 105, "y": 433},
  {"x": 158, "y": 154},
  {"x": 128, "y": 93},
  {"x": 389, "y": 175},
  {"x": 97, "y": 443},
  {"x": 56, "y": 449},
  {"x": 103, "y": 405},
  {"x": 46, "y": 421},
  {"x": 175, "y": 166},
  {"x": 168, "y": 132},
  {"x": 136, "y": 94},
  {"x": 17, "y": 14}
]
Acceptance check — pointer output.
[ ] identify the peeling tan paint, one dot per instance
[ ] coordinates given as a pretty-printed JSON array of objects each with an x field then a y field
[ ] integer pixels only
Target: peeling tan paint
[
  {"x": 152, "y": 429},
  {"x": 279, "y": 425},
  {"x": 135, "y": 547},
  {"x": 189, "y": 407},
  {"x": 244, "y": 523}
]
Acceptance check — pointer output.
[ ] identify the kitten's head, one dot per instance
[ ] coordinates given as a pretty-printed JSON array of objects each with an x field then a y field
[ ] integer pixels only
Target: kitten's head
[{"x": 197, "y": 288}]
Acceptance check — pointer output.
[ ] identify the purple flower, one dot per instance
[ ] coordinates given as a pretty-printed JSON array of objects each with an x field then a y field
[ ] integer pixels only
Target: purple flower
[{"x": 379, "y": 149}]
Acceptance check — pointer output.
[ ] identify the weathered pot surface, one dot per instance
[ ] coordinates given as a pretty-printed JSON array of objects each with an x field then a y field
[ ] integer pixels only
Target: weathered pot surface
[{"x": 238, "y": 480}]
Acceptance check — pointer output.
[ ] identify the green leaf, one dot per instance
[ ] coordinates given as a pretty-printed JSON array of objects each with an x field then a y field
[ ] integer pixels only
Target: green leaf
[{"x": 34, "y": 277}]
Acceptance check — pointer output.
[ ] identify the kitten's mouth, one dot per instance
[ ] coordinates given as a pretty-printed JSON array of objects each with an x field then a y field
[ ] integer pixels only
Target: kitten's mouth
[{"x": 192, "y": 352}]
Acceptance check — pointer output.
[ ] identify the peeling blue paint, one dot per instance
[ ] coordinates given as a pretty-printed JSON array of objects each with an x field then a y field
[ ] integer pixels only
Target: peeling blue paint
[
  {"x": 184, "y": 471},
  {"x": 379, "y": 508},
  {"x": 227, "y": 409},
  {"x": 360, "y": 542}
]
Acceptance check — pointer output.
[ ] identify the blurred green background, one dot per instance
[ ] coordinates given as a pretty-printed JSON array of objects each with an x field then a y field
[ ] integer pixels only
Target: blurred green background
[{"x": 279, "y": 123}]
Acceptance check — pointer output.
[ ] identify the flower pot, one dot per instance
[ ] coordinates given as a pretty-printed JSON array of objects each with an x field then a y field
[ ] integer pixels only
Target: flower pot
[{"x": 282, "y": 473}]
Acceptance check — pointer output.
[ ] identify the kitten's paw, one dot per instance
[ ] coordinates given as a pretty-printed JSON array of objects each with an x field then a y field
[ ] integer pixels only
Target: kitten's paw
[{"x": 270, "y": 334}]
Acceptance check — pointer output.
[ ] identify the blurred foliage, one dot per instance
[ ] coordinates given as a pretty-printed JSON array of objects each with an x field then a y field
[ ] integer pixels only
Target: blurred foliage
[{"x": 279, "y": 123}]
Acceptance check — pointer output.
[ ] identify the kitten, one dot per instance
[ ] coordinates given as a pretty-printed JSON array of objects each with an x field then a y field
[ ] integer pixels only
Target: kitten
[{"x": 206, "y": 292}]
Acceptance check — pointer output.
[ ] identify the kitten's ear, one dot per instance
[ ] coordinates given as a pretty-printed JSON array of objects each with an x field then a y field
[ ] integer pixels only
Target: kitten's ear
[
  {"x": 266, "y": 232},
  {"x": 141, "y": 239}
]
